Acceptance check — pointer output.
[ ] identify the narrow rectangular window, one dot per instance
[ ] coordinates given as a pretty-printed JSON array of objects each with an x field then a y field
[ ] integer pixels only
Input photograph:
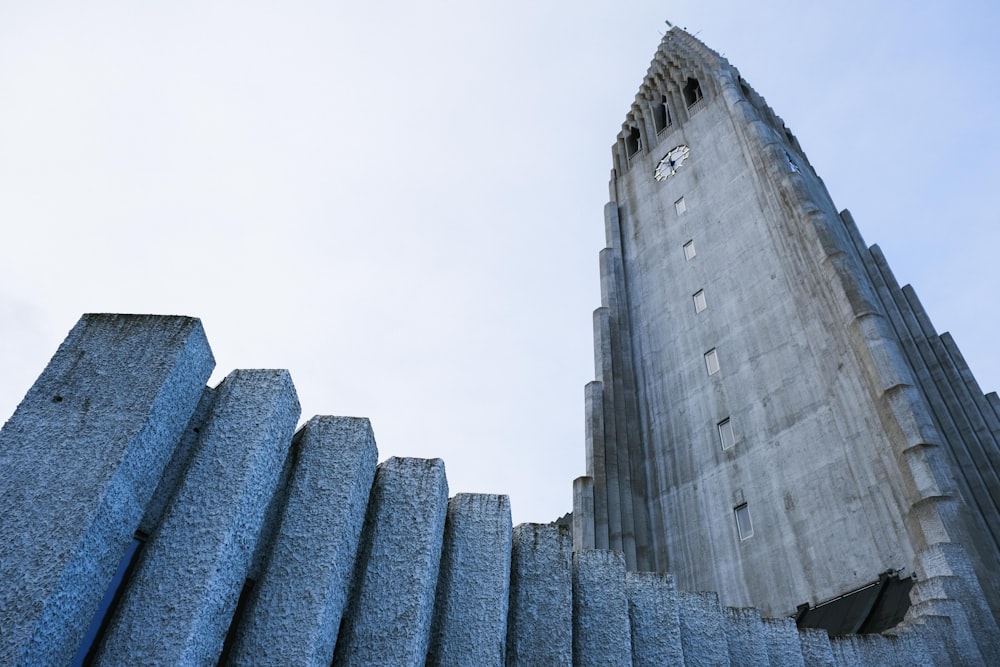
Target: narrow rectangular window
[
  {"x": 727, "y": 438},
  {"x": 689, "y": 250},
  {"x": 680, "y": 206},
  {"x": 699, "y": 301},
  {"x": 743, "y": 524},
  {"x": 712, "y": 361}
]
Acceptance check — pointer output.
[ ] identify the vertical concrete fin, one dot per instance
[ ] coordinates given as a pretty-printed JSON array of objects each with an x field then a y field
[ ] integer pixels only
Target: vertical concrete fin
[
  {"x": 583, "y": 513},
  {"x": 388, "y": 620},
  {"x": 79, "y": 461},
  {"x": 540, "y": 616},
  {"x": 606, "y": 375},
  {"x": 183, "y": 594},
  {"x": 703, "y": 637},
  {"x": 470, "y": 609},
  {"x": 653, "y": 619},
  {"x": 601, "y": 633},
  {"x": 294, "y": 610},
  {"x": 596, "y": 452}
]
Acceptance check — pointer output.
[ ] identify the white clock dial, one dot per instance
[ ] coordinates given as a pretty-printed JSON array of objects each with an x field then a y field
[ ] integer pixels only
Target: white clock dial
[{"x": 671, "y": 162}]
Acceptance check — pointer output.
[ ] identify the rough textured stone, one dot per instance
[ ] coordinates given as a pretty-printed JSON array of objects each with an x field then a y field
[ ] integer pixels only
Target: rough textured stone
[
  {"x": 702, "y": 631},
  {"x": 784, "y": 647},
  {"x": 470, "y": 610},
  {"x": 815, "y": 646},
  {"x": 746, "y": 637},
  {"x": 653, "y": 619},
  {"x": 294, "y": 611},
  {"x": 79, "y": 460},
  {"x": 183, "y": 594},
  {"x": 601, "y": 633},
  {"x": 540, "y": 620},
  {"x": 388, "y": 620}
]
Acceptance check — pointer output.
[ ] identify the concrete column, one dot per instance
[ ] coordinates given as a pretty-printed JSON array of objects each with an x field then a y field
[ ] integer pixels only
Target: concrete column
[
  {"x": 605, "y": 373},
  {"x": 600, "y": 609},
  {"x": 654, "y": 620},
  {"x": 540, "y": 620},
  {"x": 294, "y": 611},
  {"x": 596, "y": 452},
  {"x": 470, "y": 610},
  {"x": 583, "y": 513},
  {"x": 746, "y": 637},
  {"x": 180, "y": 601},
  {"x": 79, "y": 461},
  {"x": 388, "y": 620},
  {"x": 815, "y": 646},
  {"x": 703, "y": 637},
  {"x": 783, "y": 644}
]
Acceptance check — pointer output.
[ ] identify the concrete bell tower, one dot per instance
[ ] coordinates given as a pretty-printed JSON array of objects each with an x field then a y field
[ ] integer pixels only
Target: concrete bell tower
[{"x": 773, "y": 417}]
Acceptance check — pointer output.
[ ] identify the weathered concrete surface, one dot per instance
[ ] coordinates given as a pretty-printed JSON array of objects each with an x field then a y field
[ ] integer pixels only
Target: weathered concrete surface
[
  {"x": 388, "y": 620},
  {"x": 79, "y": 460},
  {"x": 183, "y": 594},
  {"x": 703, "y": 637},
  {"x": 294, "y": 611},
  {"x": 815, "y": 647},
  {"x": 746, "y": 637},
  {"x": 601, "y": 633},
  {"x": 783, "y": 644},
  {"x": 470, "y": 609},
  {"x": 583, "y": 514},
  {"x": 540, "y": 620},
  {"x": 653, "y": 619}
]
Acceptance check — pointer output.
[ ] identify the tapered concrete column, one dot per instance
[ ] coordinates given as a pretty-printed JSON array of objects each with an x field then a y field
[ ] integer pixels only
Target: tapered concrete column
[
  {"x": 470, "y": 610},
  {"x": 294, "y": 611},
  {"x": 180, "y": 601},
  {"x": 79, "y": 461},
  {"x": 388, "y": 621},
  {"x": 654, "y": 620},
  {"x": 600, "y": 609},
  {"x": 540, "y": 621}
]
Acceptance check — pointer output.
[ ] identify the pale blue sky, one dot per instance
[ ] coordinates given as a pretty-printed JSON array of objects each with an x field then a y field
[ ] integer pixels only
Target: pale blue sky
[{"x": 402, "y": 202}]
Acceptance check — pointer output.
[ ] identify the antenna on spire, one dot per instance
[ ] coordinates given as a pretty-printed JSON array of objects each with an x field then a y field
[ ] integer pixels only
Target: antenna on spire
[{"x": 669, "y": 24}]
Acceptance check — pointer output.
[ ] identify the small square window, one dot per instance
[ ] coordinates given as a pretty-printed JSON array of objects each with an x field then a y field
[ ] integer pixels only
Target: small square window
[
  {"x": 727, "y": 438},
  {"x": 699, "y": 301},
  {"x": 743, "y": 524},
  {"x": 680, "y": 206},
  {"x": 712, "y": 361},
  {"x": 689, "y": 250}
]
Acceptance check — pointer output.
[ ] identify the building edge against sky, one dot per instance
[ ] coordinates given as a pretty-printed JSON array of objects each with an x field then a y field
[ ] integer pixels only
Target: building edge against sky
[{"x": 772, "y": 417}]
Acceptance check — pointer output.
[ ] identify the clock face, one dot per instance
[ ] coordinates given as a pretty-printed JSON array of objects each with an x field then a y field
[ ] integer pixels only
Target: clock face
[{"x": 671, "y": 162}]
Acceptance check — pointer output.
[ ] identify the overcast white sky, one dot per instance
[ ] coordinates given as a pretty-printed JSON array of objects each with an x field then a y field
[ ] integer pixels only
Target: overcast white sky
[{"x": 402, "y": 202}]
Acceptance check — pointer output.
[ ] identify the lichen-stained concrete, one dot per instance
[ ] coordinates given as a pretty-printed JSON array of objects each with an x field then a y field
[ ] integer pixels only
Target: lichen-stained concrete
[
  {"x": 388, "y": 621},
  {"x": 600, "y": 609},
  {"x": 179, "y": 603},
  {"x": 79, "y": 460},
  {"x": 540, "y": 620},
  {"x": 470, "y": 611},
  {"x": 654, "y": 620},
  {"x": 294, "y": 611}
]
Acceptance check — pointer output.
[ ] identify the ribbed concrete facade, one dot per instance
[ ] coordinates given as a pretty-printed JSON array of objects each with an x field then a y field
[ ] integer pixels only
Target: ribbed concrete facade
[
  {"x": 773, "y": 417},
  {"x": 257, "y": 546}
]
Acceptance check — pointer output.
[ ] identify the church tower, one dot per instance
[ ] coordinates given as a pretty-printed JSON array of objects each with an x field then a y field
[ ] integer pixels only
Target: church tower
[{"x": 773, "y": 417}]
